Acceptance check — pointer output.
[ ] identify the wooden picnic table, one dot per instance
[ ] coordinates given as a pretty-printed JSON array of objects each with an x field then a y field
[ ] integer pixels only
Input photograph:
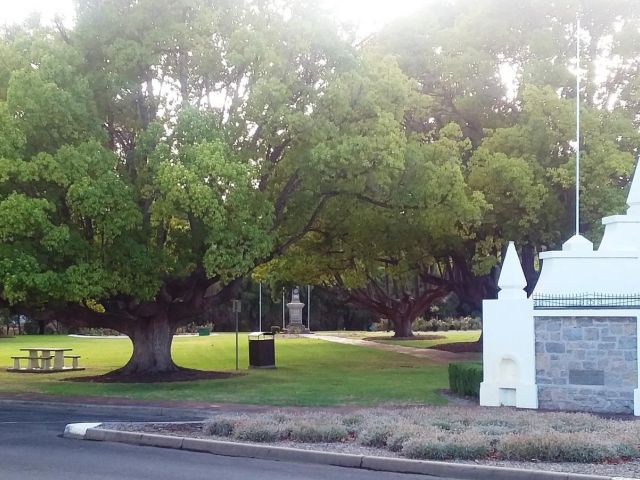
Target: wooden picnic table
[{"x": 36, "y": 353}]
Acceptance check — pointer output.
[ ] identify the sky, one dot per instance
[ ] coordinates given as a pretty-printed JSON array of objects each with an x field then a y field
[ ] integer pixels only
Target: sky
[{"x": 368, "y": 14}]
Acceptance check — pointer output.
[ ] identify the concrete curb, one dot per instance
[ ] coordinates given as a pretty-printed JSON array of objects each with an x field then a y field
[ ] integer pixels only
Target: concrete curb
[
  {"x": 382, "y": 464},
  {"x": 192, "y": 414},
  {"x": 78, "y": 430}
]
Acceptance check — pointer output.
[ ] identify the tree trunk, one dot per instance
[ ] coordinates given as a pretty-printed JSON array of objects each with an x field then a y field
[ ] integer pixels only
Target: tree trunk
[
  {"x": 402, "y": 326},
  {"x": 151, "y": 338},
  {"x": 528, "y": 267}
]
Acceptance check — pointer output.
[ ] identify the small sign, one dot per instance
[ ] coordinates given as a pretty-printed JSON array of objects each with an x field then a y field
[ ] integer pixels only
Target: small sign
[{"x": 236, "y": 306}]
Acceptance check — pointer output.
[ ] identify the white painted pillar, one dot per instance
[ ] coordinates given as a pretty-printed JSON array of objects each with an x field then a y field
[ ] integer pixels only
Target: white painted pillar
[{"x": 509, "y": 359}]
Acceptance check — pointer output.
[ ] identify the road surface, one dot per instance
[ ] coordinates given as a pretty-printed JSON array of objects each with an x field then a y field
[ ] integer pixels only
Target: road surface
[{"x": 31, "y": 448}]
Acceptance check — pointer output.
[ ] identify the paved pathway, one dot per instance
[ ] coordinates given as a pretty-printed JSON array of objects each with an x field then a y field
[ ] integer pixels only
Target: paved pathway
[{"x": 439, "y": 356}]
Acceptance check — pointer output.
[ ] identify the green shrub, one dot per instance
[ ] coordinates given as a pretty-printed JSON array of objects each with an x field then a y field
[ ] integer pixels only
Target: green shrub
[
  {"x": 275, "y": 330},
  {"x": 260, "y": 431},
  {"x": 375, "y": 435},
  {"x": 381, "y": 326},
  {"x": 465, "y": 378},
  {"x": 352, "y": 422},
  {"x": 317, "y": 432},
  {"x": 562, "y": 447},
  {"x": 420, "y": 325},
  {"x": 449, "y": 448},
  {"x": 396, "y": 441},
  {"x": 221, "y": 427}
]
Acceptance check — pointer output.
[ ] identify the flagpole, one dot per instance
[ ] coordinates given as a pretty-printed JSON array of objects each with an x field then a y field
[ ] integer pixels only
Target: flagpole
[
  {"x": 260, "y": 308},
  {"x": 578, "y": 126}
]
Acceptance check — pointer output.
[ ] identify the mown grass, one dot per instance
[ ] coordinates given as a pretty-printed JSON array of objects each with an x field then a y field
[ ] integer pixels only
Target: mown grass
[
  {"x": 450, "y": 337},
  {"x": 310, "y": 373}
]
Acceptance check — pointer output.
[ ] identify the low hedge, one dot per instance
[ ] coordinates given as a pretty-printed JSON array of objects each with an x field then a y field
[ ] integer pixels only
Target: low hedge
[{"x": 465, "y": 378}]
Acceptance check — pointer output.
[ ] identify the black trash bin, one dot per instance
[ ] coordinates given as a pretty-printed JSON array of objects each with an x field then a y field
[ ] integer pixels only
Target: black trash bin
[{"x": 262, "y": 350}]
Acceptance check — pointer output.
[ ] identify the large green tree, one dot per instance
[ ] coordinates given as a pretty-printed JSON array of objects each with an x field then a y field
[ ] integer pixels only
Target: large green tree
[
  {"x": 156, "y": 152},
  {"x": 501, "y": 70}
]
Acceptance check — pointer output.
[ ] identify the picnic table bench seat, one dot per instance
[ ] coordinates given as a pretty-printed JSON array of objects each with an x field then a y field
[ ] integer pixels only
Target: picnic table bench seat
[
  {"x": 74, "y": 361},
  {"x": 46, "y": 362}
]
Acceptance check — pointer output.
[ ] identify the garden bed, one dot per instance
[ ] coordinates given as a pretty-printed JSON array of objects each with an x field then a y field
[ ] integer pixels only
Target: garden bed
[{"x": 569, "y": 442}]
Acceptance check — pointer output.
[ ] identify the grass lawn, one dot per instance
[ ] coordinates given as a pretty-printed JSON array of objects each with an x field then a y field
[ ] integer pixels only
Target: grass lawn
[
  {"x": 450, "y": 337},
  {"x": 310, "y": 372}
]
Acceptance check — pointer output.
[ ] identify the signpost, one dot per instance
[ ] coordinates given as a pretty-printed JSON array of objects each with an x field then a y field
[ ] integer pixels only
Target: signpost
[
  {"x": 309, "y": 307},
  {"x": 283, "y": 303},
  {"x": 236, "y": 308},
  {"x": 260, "y": 308}
]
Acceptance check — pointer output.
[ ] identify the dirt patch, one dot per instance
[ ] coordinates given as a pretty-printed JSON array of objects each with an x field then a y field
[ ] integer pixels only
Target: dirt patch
[
  {"x": 182, "y": 375},
  {"x": 459, "y": 347},
  {"x": 415, "y": 337}
]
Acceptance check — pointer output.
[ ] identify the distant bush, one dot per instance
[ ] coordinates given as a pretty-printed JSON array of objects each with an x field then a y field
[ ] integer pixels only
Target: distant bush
[
  {"x": 381, "y": 326},
  {"x": 446, "y": 324},
  {"x": 465, "y": 378},
  {"x": 275, "y": 330}
]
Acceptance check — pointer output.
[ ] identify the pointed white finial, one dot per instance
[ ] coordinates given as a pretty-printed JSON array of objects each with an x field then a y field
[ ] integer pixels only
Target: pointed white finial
[
  {"x": 633, "y": 200},
  {"x": 512, "y": 280},
  {"x": 578, "y": 243}
]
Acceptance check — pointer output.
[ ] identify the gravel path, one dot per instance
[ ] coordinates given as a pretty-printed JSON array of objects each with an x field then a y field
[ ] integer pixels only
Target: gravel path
[{"x": 438, "y": 356}]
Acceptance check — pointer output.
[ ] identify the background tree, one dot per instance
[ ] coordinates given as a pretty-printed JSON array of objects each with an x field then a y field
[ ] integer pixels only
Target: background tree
[
  {"x": 379, "y": 250},
  {"x": 501, "y": 71}
]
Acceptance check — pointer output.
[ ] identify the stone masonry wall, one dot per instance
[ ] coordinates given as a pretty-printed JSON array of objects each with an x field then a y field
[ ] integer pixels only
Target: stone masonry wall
[{"x": 586, "y": 363}]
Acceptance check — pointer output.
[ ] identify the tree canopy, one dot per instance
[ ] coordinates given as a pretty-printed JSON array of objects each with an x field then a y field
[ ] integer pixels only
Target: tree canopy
[{"x": 159, "y": 151}]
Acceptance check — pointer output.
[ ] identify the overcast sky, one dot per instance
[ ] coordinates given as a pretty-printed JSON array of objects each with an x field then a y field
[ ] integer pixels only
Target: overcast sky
[{"x": 369, "y": 14}]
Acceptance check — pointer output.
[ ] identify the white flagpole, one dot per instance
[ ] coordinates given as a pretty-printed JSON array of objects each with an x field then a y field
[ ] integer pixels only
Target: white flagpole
[
  {"x": 578, "y": 126},
  {"x": 309, "y": 307},
  {"x": 260, "y": 308}
]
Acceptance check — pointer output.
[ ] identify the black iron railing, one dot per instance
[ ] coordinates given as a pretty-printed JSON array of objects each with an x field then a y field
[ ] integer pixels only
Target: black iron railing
[{"x": 586, "y": 301}]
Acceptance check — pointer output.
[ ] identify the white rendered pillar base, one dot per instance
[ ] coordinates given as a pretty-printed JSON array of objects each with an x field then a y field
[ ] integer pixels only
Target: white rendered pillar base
[
  {"x": 526, "y": 395},
  {"x": 636, "y": 402}
]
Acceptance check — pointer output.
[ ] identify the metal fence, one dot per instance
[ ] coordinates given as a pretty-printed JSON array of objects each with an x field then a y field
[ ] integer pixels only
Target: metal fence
[{"x": 586, "y": 301}]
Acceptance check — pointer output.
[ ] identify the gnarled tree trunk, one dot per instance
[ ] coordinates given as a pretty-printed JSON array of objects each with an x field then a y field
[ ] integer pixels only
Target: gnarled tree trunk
[
  {"x": 402, "y": 325},
  {"x": 400, "y": 303},
  {"x": 152, "y": 339}
]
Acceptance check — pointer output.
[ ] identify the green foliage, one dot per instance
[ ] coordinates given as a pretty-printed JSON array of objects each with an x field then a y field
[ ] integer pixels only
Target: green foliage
[
  {"x": 316, "y": 432},
  {"x": 465, "y": 378},
  {"x": 220, "y": 427},
  {"x": 159, "y": 150},
  {"x": 446, "y": 324},
  {"x": 563, "y": 448},
  {"x": 454, "y": 447}
]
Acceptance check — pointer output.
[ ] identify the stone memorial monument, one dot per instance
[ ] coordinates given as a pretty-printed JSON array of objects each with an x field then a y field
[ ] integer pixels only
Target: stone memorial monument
[{"x": 295, "y": 307}]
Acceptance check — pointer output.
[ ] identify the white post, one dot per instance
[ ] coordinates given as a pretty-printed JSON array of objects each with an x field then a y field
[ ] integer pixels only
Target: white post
[
  {"x": 283, "y": 308},
  {"x": 578, "y": 126},
  {"x": 260, "y": 308},
  {"x": 509, "y": 372}
]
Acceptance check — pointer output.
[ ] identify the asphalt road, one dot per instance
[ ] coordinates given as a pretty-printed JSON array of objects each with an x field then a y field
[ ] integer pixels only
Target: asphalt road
[{"x": 32, "y": 448}]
